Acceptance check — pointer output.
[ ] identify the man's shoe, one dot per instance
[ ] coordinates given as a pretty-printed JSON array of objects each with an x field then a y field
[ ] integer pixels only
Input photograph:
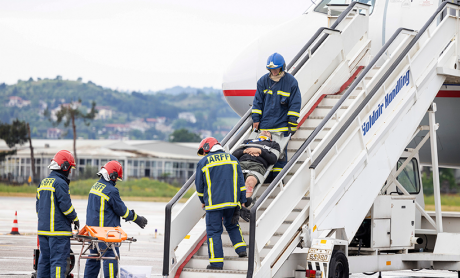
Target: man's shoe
[
  {"x": 215, "y": 267},
  {"x": 242, "y": 254}
]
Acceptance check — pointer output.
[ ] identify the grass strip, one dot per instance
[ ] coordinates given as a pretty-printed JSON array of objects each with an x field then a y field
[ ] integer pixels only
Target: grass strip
[{"x": 136, "y": 190}]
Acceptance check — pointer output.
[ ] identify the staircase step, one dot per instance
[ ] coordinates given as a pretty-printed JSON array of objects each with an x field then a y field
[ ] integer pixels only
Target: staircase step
[
  {"x": 230, "y": 263},
  {"x": 229, "y": 250},
  {"x": 203, "y": 272}
]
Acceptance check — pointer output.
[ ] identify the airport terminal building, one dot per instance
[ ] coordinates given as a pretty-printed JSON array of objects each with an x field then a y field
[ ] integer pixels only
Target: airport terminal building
[{"x": 140, "y": 158}]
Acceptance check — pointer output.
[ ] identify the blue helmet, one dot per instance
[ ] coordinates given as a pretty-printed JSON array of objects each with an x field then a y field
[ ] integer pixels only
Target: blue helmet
[{"x": 276, "y": 61}]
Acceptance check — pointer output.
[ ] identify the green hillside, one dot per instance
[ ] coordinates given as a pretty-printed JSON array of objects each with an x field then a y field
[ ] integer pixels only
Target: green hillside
[{"x": 209, "y": 108}]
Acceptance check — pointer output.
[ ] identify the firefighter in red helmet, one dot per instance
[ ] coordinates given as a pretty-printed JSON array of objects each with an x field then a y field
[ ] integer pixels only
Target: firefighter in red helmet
[
  {"x": 222, "y": 201},
  {"x": 105, "y": 208},
  {"x": 55, "y": 214}
]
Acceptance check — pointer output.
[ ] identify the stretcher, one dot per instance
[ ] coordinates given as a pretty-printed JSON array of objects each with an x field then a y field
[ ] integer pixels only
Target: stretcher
[
  {"x": 90, "y": 237},
  {"x": 277, "y": 137}
]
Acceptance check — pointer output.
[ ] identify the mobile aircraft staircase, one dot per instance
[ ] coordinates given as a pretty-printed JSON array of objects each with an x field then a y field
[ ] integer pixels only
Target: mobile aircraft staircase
[{"x": 357, "y": 117}]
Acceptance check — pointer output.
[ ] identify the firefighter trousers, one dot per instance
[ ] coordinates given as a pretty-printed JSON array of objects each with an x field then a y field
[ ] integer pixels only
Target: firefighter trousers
[
  {"x": 54, "y": 251},
  {"x": 214, "y": 231}
]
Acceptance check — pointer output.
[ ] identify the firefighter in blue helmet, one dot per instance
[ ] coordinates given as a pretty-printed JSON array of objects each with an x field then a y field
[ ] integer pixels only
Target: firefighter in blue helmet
[
  {"x": 220, "y": 186},
  {"x": 277, "y": 102},
  {"x": 105, "y": 208},
  {"x": 55, "y": 215}
]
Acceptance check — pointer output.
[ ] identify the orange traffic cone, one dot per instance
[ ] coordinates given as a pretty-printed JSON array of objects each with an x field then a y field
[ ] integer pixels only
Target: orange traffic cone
[{"x": 15, "y": 230}]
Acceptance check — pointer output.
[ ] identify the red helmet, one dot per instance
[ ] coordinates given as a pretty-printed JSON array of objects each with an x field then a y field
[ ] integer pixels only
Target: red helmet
[
  {"x": 65, "y": 160},
  {"x": 114, "y": 169},
  {"x": 206, "y": 145}
]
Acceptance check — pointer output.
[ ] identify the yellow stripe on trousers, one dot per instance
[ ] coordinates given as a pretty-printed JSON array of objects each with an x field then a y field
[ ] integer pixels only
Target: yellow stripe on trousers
[
  {"x": 111, "y": 270},
  {"x": 58, "y": 272}
]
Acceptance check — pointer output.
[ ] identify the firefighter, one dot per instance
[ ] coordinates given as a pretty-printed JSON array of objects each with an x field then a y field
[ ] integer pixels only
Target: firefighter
[
  {"x": 55, "y": 215},
  {"x": 277, "y": 102},
  {"x": 105, "y": 208},
  {"x": 220, "y": 186}
]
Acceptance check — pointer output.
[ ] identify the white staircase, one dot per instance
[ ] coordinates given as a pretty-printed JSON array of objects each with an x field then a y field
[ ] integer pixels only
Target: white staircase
[{"x": 335, "y": 171}]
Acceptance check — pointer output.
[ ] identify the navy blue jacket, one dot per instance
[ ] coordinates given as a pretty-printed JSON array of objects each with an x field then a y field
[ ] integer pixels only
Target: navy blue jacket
[
  {"x": 219, "y": 181},
  {"x": 105, "y": 206},
  {"x": 54, "y": 206},
  {"x": 276, "y": 105}
]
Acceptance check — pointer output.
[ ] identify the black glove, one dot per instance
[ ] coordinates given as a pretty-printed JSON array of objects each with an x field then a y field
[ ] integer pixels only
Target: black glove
[
  {"x": 77, "y": 225},
  {"x": 236, "y": 215},
  {"x": 245, "y": 214},
  {"x": 248, "y": 201},
  {"x": 141, "y": 221}
]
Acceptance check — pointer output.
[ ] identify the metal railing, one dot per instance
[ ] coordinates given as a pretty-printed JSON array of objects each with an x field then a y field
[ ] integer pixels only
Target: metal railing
[
  {"x": 229, "y": 139},
  {"x": 315, "y": 37},
  {"x": 311, "y": 138},
  {"x": 376, "y": 87}
]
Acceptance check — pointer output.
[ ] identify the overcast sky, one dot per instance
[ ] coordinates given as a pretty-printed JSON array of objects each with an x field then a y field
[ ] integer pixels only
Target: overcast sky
[{"x": 133, "y": 45}]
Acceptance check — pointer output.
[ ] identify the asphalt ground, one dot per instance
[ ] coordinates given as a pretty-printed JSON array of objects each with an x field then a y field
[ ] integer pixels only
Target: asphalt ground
[{"x": 16, "y": 252}]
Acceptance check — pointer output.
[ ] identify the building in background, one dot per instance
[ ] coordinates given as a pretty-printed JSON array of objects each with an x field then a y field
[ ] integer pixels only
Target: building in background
[{"x": 170, "y": 162}]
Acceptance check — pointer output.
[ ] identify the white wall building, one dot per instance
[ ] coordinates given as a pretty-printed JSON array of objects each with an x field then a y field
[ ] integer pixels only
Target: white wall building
[{"x": 140, "y": 158}]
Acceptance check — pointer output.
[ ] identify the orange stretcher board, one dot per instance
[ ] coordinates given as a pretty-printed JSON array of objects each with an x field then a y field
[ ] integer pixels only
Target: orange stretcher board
[{"x": 107, "y": 234}]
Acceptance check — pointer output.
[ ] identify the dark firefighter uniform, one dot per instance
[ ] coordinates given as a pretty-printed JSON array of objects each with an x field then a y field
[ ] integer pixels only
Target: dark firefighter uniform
[
  {"x": 105, "y": 208},
  {"x": 55, "y": 215},
  {"x": 220, "y": 186},
  {"x": 276, "y": 106}
]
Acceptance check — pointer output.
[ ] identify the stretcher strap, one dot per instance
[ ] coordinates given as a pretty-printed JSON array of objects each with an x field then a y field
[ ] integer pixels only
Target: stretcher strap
[{"x": 272, "y": 150}]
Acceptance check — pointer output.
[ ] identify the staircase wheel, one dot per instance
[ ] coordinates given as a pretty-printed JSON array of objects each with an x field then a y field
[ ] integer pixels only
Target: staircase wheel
[{"x": 338, "y": 266}]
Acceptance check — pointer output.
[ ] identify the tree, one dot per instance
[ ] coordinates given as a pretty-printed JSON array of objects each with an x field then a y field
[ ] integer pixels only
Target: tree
[
  {"x": 183, "y": 135},
  {"x": 69, "y": 114},
  {"x": 17, "y": 133}
]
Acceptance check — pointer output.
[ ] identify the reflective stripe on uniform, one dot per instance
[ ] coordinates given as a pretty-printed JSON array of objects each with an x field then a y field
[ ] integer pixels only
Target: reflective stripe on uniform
[
  {"x": 241, "y": 244},
  {"x": 111, "y": 270},
  {"x": 100, "y": 194},
  {"x": 211, "y": 248},
  {"x": 223, "y": 205},
  {"x": 220, "y": 163},
  {"x": 257, "y": 111},
  {"x": 235, "y": 183},
  {"x": 46, "y": 188},
  {"x": 55, "y": 233},
  {"x": 295, "y": 124},
  {"x": 135, "y": 217},
  {"x": 52, "y": 213},
  {"x": 276, "y": 129},
  {"x": 68, "y": 211},
  {"x": 286, "y": 94},
  {"x": 216, "y": 260},
  {"x": 208, "y": 181},
  {"x": 76, "y": 219},
  {"x": 293, "y": 113},
  {"x": 267, "y": 91},
  {"x": 126, "y": 214},
  {"x": 243, "y": 188},
  {"x": 200, "y": 194},
  {"x": 101, "y": 213},
  {"x": 241, "y": 233},
  {"x": 276, "y": 169},
  {"x": 58, "y": 272}
]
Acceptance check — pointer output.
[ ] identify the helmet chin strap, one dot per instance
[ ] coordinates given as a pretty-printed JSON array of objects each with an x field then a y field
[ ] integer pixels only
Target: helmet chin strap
[{"x": 103, "y": 172}]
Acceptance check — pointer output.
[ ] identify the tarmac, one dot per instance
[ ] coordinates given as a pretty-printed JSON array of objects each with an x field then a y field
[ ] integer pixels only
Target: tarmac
[{"x": 16, "y": 252}]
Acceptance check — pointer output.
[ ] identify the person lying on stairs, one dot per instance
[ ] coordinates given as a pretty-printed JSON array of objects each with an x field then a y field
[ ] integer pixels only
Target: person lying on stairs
[{"x": 256, "y": 159}]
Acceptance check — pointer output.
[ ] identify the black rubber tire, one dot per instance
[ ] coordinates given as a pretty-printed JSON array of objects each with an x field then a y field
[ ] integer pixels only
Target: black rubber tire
[{"x": 338, "y": 266}]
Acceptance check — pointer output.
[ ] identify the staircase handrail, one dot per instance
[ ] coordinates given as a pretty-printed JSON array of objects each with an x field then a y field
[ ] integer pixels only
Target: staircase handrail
[
  {"x": 374, "y": 90},
  {"x": 306, "y": 143},
  {"x": 315, "y": 37},
  {"x": 185, "y": 188}
]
